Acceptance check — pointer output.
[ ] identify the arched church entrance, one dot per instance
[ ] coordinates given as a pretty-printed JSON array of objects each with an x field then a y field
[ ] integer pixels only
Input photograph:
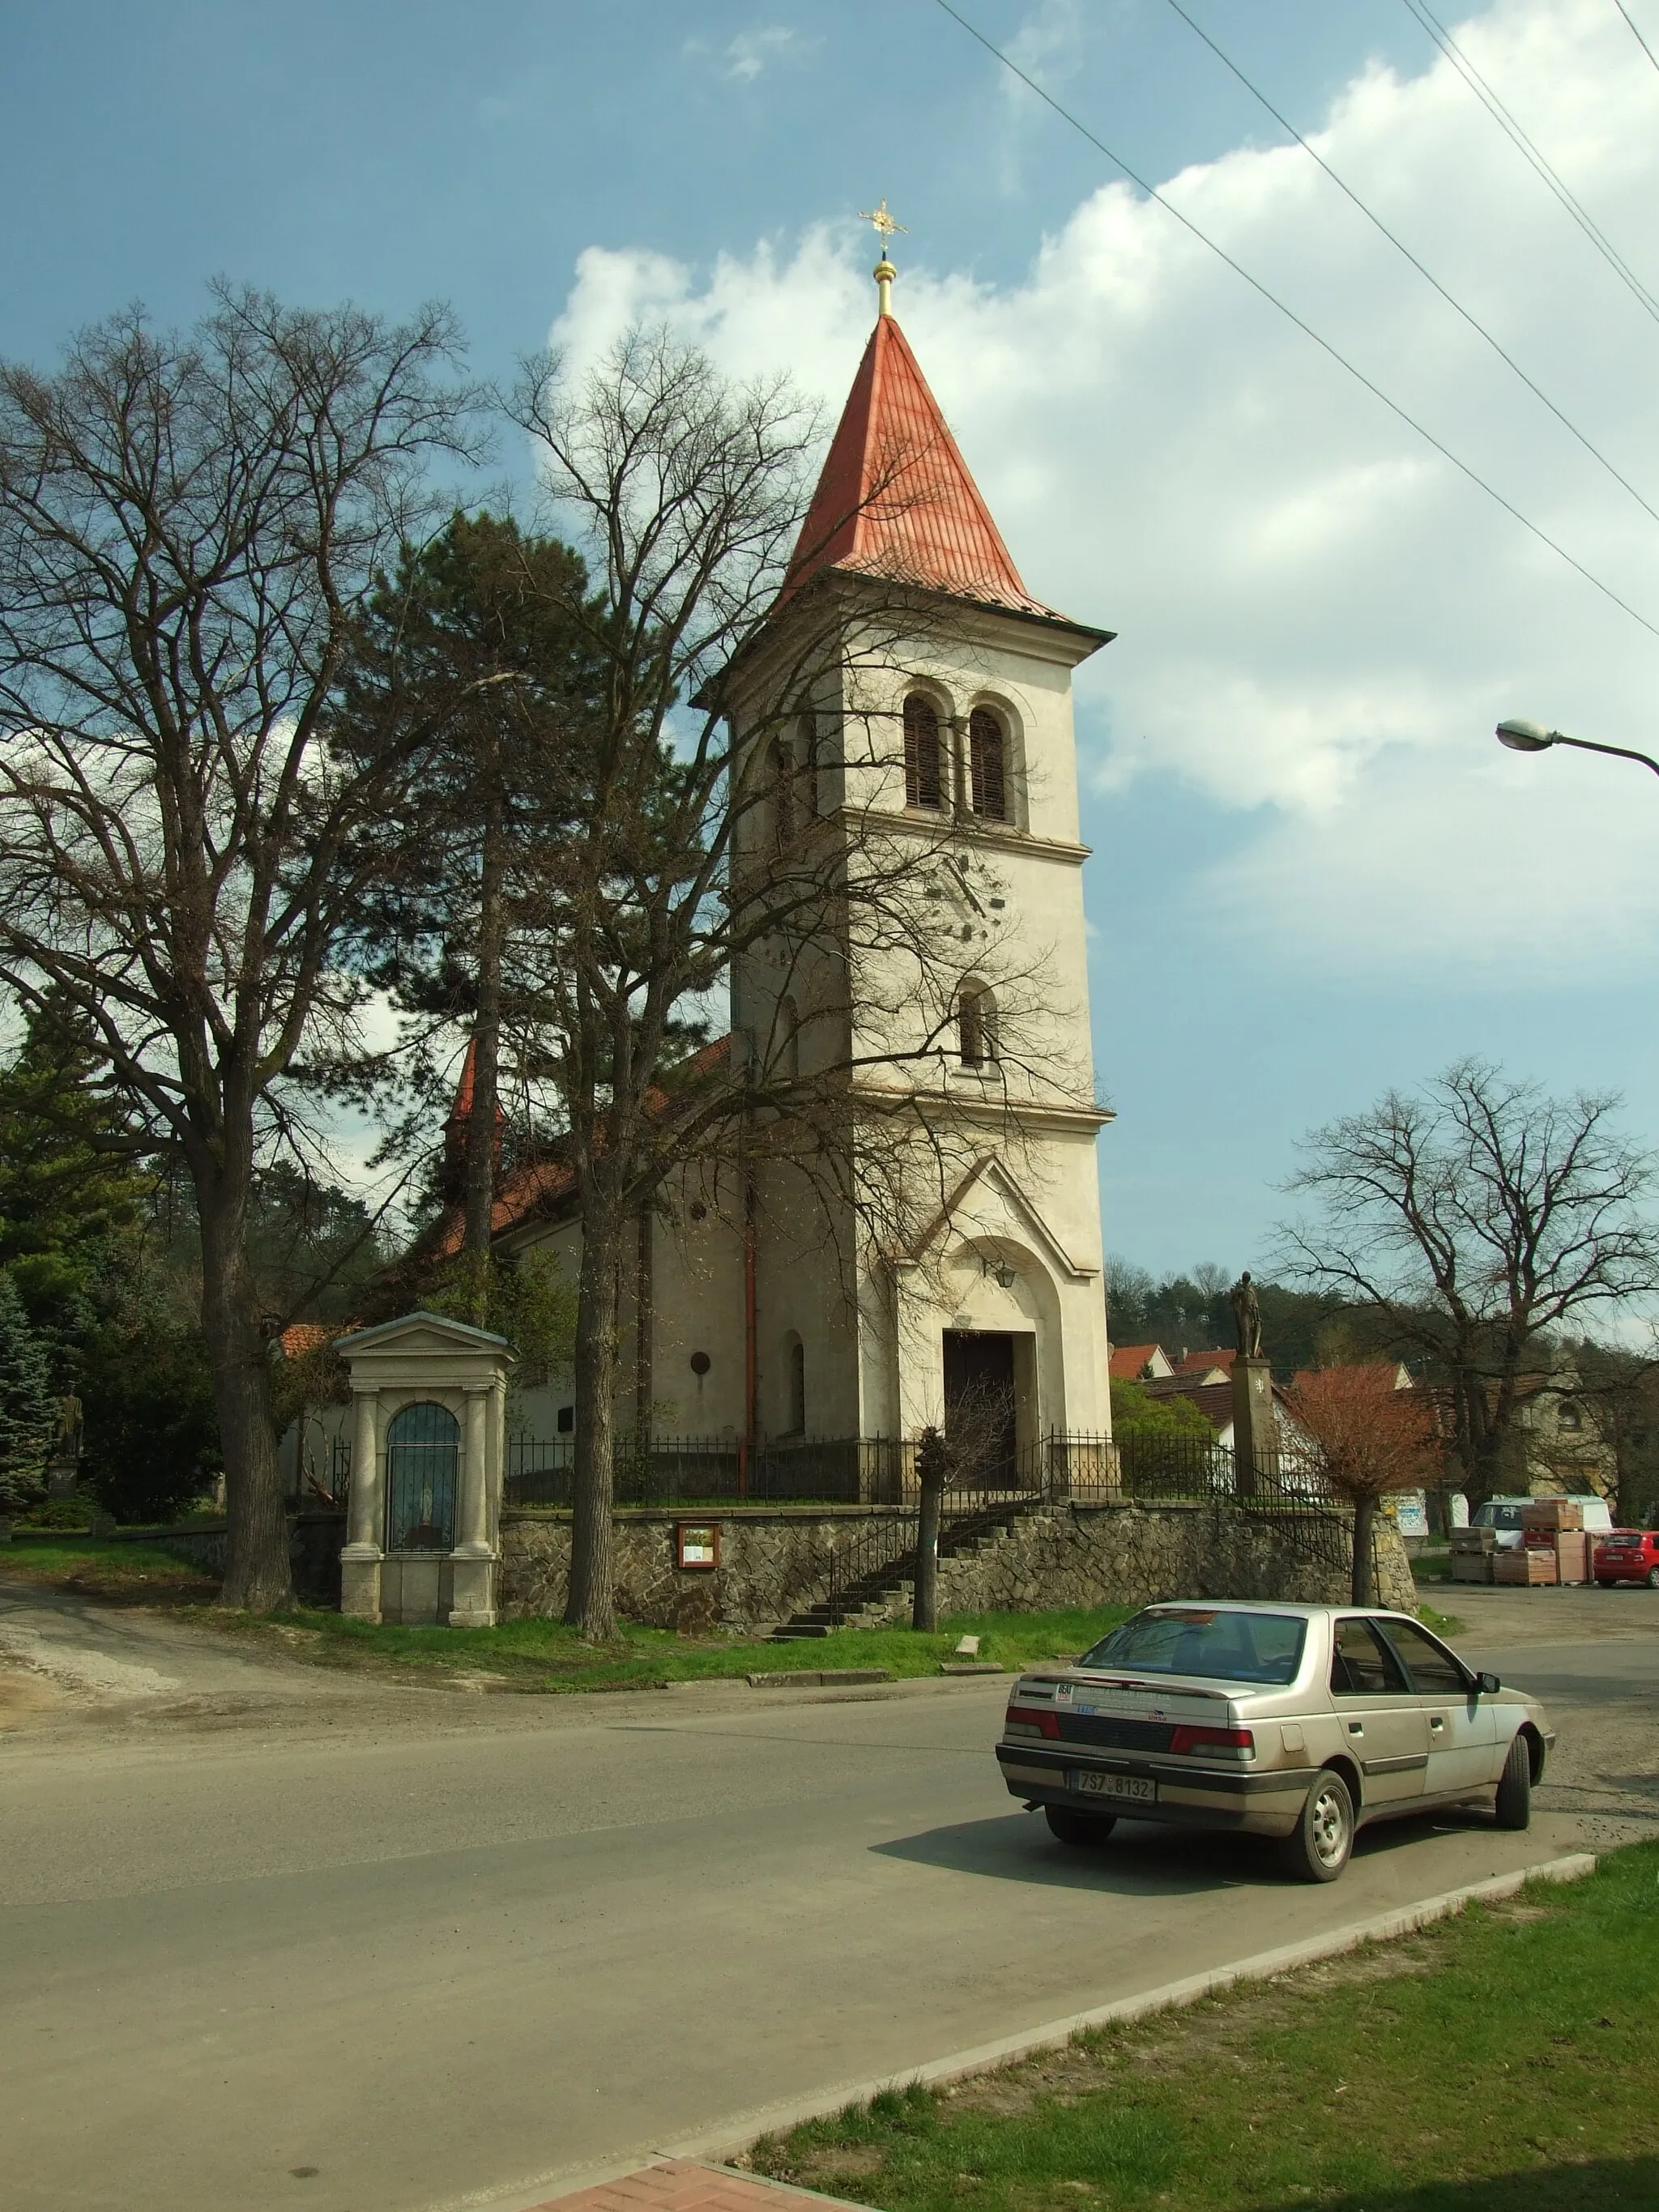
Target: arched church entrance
[{"x": 981, "y": 1405}]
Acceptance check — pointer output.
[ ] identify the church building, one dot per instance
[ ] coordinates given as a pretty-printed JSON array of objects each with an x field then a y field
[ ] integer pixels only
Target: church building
[{"x": 753, "y": 1316}]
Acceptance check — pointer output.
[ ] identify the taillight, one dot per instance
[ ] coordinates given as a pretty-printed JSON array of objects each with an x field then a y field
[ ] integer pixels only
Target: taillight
[
  {"x": 1210, "y": 1739},
  {"x": 1032, "y": 1720}
]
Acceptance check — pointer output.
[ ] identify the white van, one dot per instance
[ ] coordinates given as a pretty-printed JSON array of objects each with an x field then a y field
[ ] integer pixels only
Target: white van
[{"x": 1503, "y": 1514}]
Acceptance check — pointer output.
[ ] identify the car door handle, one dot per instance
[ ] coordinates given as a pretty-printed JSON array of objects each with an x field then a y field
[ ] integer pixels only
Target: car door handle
[
  {"x": 1356, "y": 1728},
  {"x": 1437, "y": 1720}
]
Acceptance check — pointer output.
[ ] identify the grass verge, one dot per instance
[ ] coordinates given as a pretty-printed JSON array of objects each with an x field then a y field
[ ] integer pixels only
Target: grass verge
[
  {"x": 119, "y": 1574},
  {"x": 545, "y": 1655},
  {"x": 1501, "y": 2061}
]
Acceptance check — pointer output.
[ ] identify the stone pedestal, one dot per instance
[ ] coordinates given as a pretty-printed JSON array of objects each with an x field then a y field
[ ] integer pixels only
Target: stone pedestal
[
  {"x": 1255, "y": 1428},
  {"x": 360, "y": 1580}
]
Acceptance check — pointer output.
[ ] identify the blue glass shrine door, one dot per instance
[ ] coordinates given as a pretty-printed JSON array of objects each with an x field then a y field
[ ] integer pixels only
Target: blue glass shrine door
[{"x": 423, "y": 1461}]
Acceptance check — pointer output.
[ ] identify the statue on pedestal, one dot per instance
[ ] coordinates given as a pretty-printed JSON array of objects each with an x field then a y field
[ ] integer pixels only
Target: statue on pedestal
[
  {"x": 1247, "y": 1316},
  {"x": 63, "y": 1459}
]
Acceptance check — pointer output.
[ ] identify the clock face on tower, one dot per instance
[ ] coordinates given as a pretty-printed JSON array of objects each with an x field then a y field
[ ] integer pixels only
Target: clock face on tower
[{"x": 977, "y": 905}]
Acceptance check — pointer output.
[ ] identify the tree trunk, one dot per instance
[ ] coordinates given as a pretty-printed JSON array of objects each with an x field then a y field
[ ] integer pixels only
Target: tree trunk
[
  {"x": 480, "y": 1193},
  {"x": 590, "y": 1602},
  {"x": 257, "y": 1574},
  {"x": 1360, "y": 1587}
]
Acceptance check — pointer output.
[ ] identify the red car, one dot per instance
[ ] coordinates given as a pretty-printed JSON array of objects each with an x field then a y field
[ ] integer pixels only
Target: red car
[{"x": 1629, "y": 1555}]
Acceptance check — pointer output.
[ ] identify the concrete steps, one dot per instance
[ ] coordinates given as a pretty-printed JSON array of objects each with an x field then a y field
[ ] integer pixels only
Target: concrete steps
[{"x": 874, "y": 1599}]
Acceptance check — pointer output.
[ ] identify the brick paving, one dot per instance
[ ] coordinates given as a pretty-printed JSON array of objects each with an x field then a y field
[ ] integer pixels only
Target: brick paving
[{"x": 684, "y": 2184}]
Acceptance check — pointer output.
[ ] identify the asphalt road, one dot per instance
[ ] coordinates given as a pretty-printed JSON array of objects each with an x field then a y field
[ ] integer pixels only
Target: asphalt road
[{"x": 273, "y": 1938}]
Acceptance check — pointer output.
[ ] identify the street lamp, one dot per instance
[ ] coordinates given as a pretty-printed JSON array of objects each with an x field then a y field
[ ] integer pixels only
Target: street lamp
[{"x": 1533, "y": 737}]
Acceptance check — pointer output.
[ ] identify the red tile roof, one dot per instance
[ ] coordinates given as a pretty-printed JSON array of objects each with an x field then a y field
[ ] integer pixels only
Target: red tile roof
[
  {"x": 301, "y": 1337},
  {"x": 526, "y": 1192},
  {"x": 1199, "y": 1363},
  {"x": 1127, "y": 1360},
  {"x": 462, "y": 1109},
  {"x": 896, "y": 499},
  {"x": 1213, "y": 1400}
]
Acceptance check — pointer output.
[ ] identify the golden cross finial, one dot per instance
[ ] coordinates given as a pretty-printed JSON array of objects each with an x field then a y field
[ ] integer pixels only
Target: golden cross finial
[{"x": 884, "y": 225}]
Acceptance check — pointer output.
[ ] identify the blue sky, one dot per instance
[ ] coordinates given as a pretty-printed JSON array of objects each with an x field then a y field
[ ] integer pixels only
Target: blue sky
[{"x": 1315, "y": 875}]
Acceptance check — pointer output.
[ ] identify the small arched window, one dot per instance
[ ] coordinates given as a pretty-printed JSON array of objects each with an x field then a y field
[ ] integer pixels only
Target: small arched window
[
  {"x": 976, "y": 1025},
  {"x": 988, "y": 755},
  {"x": 921, "y": 752},
  {"x": 788, "y": 1041},
  {"x": 783, "y": 793},
  {"x": 807, "y": 752},
  {"x": 1569, "y": 1417},
  {"x": 797, "y": 1387}
]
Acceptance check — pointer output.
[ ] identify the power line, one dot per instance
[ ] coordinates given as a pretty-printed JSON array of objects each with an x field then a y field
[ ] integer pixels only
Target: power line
[
  {"x": 1635, "y": 33},
  {"x": 1400, "y": 245},
  {"x": 1507, "y": 123},
  {"x": 1291, "y": 315}
]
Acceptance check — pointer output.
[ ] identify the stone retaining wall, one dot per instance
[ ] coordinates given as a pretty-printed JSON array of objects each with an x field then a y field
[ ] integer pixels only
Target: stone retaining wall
[
  {"x": 773, "y": 1564},
  {"x": 1087, "y": 1555}
]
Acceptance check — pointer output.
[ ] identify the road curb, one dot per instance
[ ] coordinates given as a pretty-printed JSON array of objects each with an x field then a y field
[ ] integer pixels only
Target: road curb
[{"x": 724, "y": 2142}]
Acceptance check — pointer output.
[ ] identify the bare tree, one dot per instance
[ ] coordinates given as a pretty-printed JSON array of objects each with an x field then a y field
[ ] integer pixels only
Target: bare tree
[
  {"x": 188, "y": 525},
  {"x": 738, "y": 797},
  {"x": 1371, "y": 1441},
  {"x": 1473, "y": 1218}
]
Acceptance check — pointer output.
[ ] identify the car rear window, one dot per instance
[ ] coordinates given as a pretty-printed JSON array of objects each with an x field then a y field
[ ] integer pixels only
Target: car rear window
[{"x": 1227, "y": 1647}]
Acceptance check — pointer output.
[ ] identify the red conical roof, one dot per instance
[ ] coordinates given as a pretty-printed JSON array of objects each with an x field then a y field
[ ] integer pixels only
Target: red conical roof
[{"x": 896, "y": 499}]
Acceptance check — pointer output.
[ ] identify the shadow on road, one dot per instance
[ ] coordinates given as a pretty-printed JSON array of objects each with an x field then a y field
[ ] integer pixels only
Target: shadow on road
[
  {"x": 1140, "y": 1857},
  {"x": 1594, "y": 2185}
]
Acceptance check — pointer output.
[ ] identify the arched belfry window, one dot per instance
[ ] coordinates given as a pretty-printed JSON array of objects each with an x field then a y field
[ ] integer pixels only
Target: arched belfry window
[
  {"x": 788, "y": 1041},
  {"x": 976, "y": 1025},
  {"x": 422, "y": 1454},
  {"x": 987, "y": 757},
  {"x": 922, "y": 781}
]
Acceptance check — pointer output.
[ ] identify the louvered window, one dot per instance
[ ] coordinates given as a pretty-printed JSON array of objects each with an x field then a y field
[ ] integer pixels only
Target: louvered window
[
  {"x": 976, "y": 1025},
  {"x": 921, "y": 752},
  {"x": 986, "y": 755}
]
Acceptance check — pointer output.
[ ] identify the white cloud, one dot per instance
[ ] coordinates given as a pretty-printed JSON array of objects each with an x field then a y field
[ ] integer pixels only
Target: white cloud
[
  {"x": 1319, "y": 618},
  {"x": 754, "y": 51}
]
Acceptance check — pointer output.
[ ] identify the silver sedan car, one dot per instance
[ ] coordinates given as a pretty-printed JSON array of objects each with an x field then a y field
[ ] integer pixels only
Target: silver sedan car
[{"x": 1301, "y": 1722}]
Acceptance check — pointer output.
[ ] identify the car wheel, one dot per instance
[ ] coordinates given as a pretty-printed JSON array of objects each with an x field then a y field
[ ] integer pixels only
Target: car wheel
[
  {"x": 1319, "y": 1847},
  {"x": 1653, "y": 1577},
  {"x": 1069, "y": 1827},
  {"x": 1514, "y": 1791},
  {"x": 1604, "y": 1582}
]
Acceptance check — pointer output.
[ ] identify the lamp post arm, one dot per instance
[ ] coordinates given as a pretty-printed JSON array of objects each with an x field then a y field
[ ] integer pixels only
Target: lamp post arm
[{"x": 1619, "y": 752}]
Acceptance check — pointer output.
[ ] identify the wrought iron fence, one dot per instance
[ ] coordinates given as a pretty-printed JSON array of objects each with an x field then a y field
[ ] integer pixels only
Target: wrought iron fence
[{"x": 703, "y": 1470}]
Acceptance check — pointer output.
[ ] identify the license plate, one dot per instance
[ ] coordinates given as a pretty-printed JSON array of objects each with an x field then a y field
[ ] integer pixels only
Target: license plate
[{"x": 1128, "y": 1788}]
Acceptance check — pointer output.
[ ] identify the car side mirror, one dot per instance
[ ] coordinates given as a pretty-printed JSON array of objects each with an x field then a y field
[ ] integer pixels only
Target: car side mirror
[{"x": 1486, "y": 1685}]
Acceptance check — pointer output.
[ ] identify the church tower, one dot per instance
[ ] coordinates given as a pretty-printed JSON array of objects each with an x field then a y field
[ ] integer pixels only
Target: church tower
[{"x": 946, "y": 722}]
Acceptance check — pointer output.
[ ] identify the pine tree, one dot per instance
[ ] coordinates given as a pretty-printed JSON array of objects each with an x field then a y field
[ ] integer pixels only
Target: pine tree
[{"x": 27, "y": 1415}]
